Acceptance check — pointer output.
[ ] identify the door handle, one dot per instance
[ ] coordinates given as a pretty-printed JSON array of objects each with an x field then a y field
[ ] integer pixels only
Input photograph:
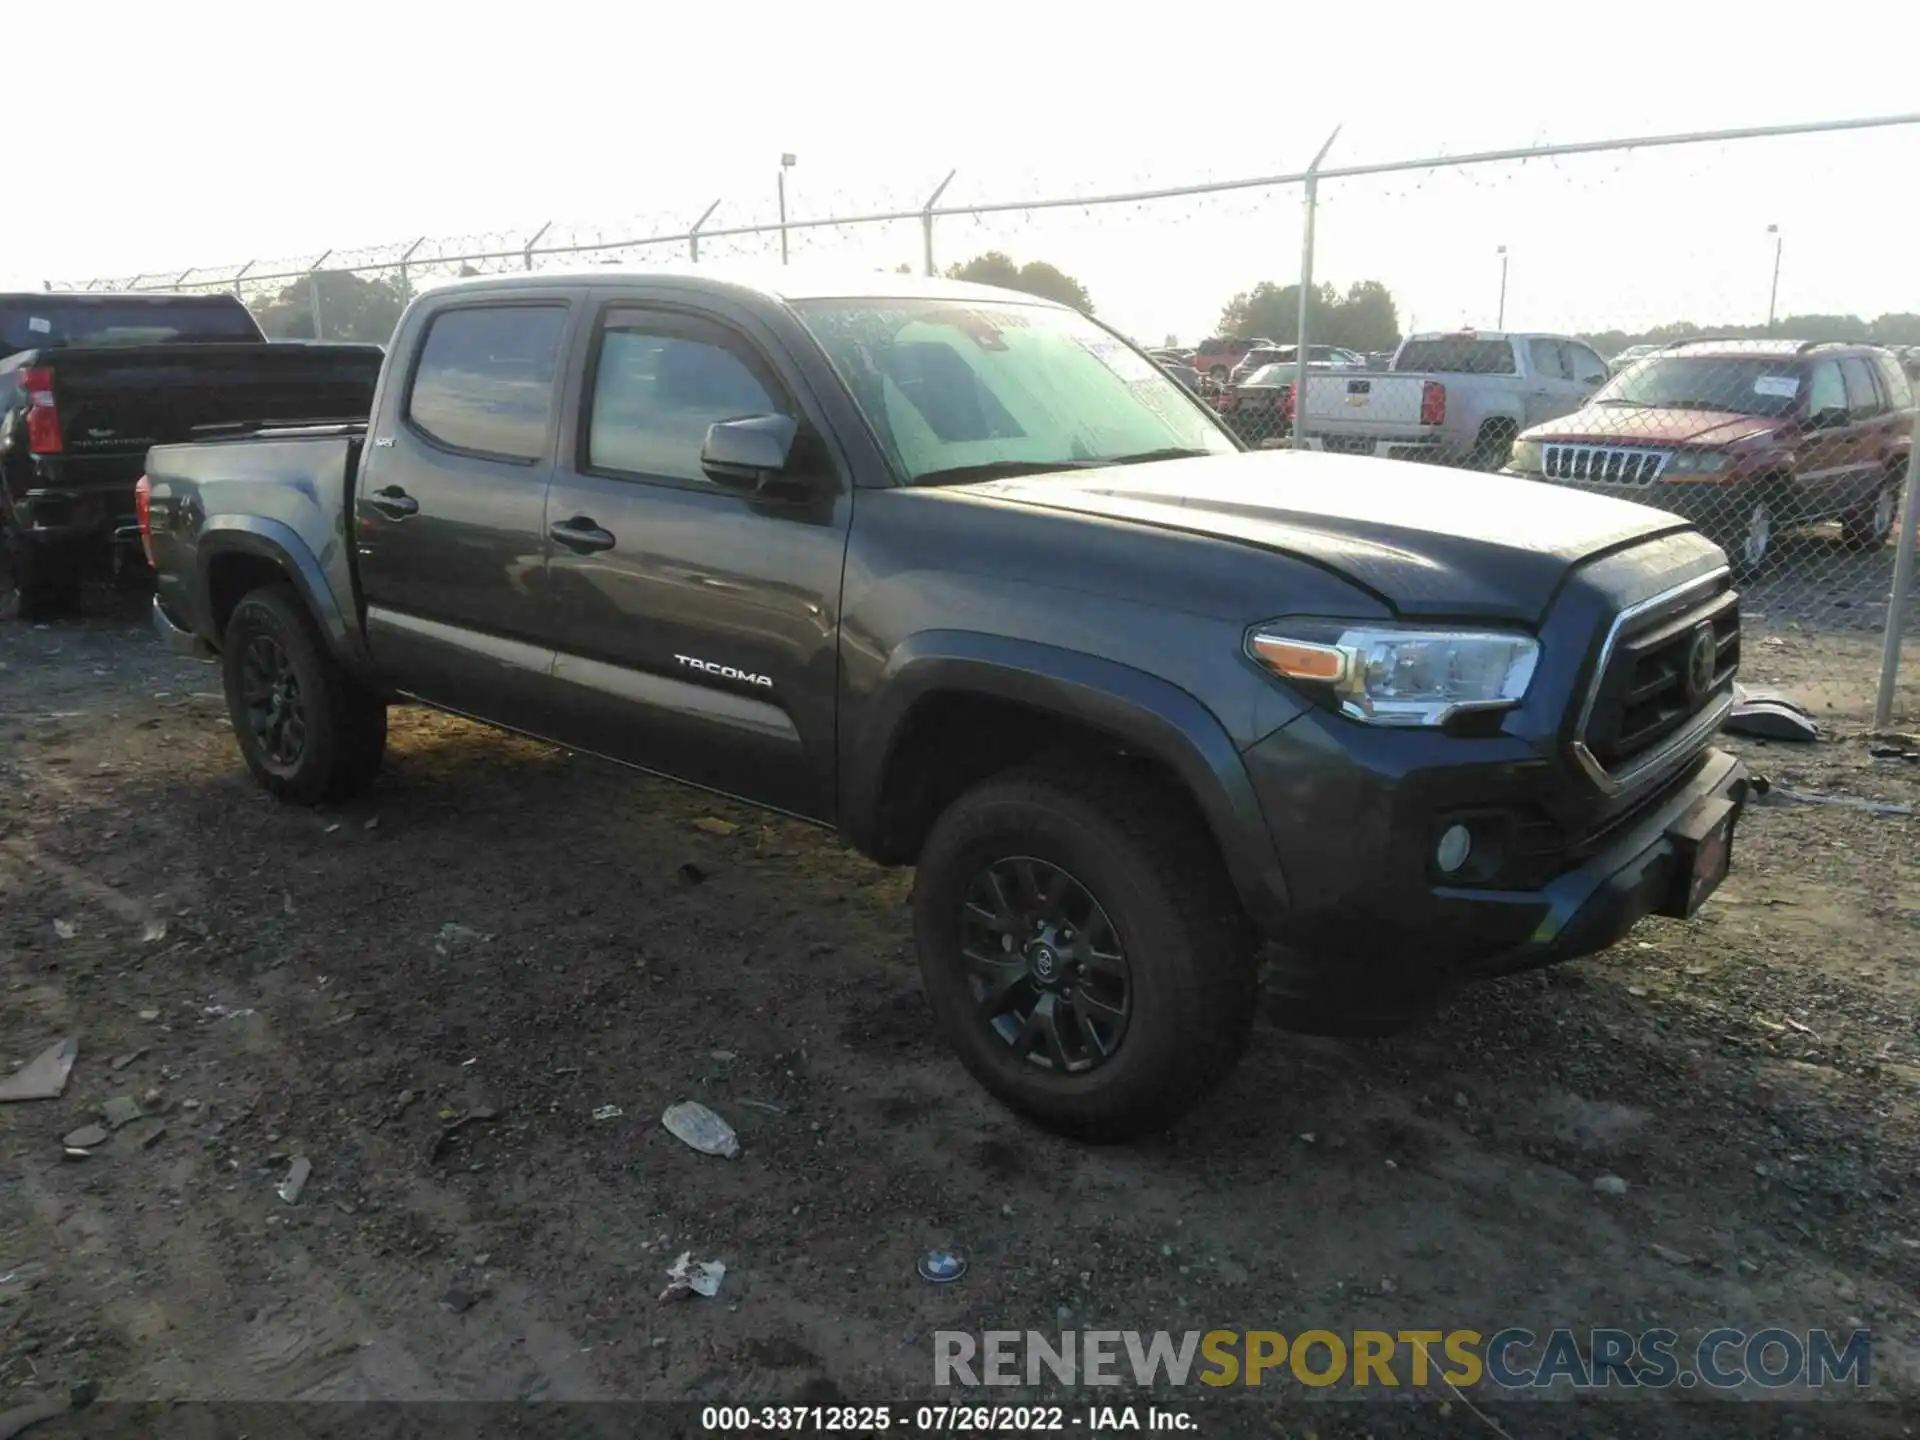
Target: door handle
[
  {"x": 394, "y": 503},
  {"x": 582, "y": 534}
]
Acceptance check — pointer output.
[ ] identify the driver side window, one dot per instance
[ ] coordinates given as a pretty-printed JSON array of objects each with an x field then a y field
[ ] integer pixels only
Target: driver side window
[
  {"x": 1587, "y": 367},
  {"x": 655, "y": 393}
]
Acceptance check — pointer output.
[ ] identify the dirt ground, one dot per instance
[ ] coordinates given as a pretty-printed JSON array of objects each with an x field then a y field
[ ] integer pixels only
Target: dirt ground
[{"x": 269, "y": 983}]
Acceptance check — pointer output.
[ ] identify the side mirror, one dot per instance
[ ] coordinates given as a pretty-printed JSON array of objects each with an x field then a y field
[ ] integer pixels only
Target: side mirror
[
  {"x": 1831, "y": 418},
  {"x": 749, "y": 453}
]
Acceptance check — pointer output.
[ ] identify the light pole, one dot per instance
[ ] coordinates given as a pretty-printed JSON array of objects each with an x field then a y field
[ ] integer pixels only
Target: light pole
[
  {"x": 786, "y": 164},
  {"x": 1773, "y": 296},
  {"x": 1501, "y": 322}
]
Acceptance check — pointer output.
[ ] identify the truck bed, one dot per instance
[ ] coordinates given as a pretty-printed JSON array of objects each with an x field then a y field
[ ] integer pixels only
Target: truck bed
[
  {"x": 73, "y": 461},
  {"x": 121, "y": 400},
  {"x": 290, "y": 483}
]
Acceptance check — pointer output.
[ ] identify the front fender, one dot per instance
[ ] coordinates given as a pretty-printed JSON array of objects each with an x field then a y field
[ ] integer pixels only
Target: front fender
[
  {"x": 281, "y": 544},
  {"x": 1145, "y": 713}
]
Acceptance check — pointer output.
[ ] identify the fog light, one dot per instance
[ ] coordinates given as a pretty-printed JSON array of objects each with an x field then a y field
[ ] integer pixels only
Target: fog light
[{"x": 1454, "y": 847}]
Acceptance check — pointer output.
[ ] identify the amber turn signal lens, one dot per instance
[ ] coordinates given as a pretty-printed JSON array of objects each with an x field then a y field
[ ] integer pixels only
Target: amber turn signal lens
[{"x": 1299, "y": 661}]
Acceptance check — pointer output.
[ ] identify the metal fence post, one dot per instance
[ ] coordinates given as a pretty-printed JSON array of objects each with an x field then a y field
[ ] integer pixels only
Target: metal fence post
[
  {"x": 526, "y": 252},
  {"x": 926, "y": 217},
  {"x": 406, "y": 281},
  {"x": 313, "y": 295},
  {"x": 1903, "y": 559},
  {"x": 693, "y": 235},
  {"x": 238, "y": 275},
  {"x": 1311, "y": 199}
]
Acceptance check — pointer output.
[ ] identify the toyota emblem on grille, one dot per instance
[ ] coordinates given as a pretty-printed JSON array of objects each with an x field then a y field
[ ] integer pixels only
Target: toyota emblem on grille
[{"x": 1702, "y": 659}]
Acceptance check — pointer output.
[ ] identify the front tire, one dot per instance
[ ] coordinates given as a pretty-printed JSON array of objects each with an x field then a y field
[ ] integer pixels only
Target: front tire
[
  {"x": 1083, "y": 950},
  {"x": 308, "y": 730},
  {"x": 1754, "y": 542}
]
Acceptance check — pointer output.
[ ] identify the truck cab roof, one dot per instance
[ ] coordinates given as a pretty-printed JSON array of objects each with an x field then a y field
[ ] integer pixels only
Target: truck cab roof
[{"x": 778, "y": 283}]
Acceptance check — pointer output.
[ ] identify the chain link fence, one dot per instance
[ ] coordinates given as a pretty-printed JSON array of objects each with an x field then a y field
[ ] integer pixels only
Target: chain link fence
[{"x": 1635, "y": 338}]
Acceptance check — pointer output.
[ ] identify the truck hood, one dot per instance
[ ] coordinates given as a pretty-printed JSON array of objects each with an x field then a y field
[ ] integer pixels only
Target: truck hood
[
  {"x": 1636, "y": 425},
  {"x": 1427, "y": 541}
]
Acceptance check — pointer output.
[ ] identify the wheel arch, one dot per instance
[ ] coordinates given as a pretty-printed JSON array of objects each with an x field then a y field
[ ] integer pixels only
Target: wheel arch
[
  {"x": 239, "y": 552},
  {"x": 1001, "y": 699}
]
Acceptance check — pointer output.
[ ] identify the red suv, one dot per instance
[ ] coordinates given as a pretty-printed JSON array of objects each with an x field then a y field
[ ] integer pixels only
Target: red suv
[
  {"x": 1217, "y": 357},
  {"x": 1744, "y": 438}
]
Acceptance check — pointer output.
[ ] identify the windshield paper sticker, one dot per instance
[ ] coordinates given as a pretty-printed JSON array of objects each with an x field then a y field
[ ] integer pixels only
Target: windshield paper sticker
[
  {"x": 39, "y": 326},
  {"x": 1118, "y": 358},
  {"x": 1779, "y": 387}
]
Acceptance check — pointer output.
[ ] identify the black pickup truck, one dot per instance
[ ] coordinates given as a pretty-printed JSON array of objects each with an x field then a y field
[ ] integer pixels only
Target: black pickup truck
[
  {"x": 91, "y": 381},
  {"x": 965, "y": 576}
]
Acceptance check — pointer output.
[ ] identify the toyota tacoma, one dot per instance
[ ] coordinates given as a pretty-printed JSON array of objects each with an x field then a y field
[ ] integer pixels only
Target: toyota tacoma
[{"x": 966, "y": 577}]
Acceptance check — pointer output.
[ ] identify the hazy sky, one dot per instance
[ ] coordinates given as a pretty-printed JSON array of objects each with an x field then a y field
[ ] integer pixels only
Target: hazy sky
[{"x": 203, "y": 133}]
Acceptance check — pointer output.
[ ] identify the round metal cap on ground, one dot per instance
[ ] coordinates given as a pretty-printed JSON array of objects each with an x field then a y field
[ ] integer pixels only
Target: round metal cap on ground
[{"x": 942, "y": 1267}]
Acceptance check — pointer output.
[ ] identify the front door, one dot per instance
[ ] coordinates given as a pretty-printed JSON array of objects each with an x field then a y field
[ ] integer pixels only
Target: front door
[
  {"x": 450, "y": 511},
  {"x": 1830, "y": 456},
  {"x": 694, "y": 627}
]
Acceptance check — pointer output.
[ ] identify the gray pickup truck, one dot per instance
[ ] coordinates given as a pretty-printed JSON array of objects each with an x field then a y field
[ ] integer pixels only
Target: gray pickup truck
[
  {"x": 965, "y": 576},
  {"x": 1455, "y": 398}
]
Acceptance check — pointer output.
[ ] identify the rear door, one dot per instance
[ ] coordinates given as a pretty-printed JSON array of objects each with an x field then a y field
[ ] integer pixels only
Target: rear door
[
  {"x": 1871, "y": 430},
  {"x": 695, "y": 628},
  {"x": 450, "y": 505}
]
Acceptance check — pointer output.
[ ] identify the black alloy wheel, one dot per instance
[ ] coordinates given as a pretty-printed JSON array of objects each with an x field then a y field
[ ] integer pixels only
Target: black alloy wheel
[{"x": 1045, "y": 965}]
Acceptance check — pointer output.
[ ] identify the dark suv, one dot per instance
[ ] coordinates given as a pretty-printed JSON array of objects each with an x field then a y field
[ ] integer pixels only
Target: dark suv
[{"x": 1743, "y": 438}]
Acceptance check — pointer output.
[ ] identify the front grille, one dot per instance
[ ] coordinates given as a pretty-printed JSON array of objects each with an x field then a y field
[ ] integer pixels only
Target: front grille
[
  {"x": 1603, "y": 464},
  {"x": 1649, "y": 690}
]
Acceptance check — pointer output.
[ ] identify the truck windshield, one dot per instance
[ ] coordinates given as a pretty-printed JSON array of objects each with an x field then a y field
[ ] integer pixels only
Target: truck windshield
[
  {"x": 1741, "y": 386},
  {"x": 970, "y": 388},
  {"x": 38, "y": 323},
  {"x": 1457, "y": 355}
]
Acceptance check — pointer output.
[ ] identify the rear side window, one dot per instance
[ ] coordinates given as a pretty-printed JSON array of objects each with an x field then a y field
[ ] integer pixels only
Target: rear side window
[
  {"x": 73, "y": 320},
  {"x": 656, "y": 392},
  {"x": 484, "y": 382},
  {"x": 1863, "y": 397},
  {"x": 1457, "y": 355}
]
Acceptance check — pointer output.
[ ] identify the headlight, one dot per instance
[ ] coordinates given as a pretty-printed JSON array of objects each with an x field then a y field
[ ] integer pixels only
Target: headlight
[
  {"x": 1696, "y": 462},
  {"x": 1526, "y": 456},
  {"x": 1387, "y": 676}
]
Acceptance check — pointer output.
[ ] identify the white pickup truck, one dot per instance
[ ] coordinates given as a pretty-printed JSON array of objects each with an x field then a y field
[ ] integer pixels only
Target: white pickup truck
[{"x": 1455, "y": 398}]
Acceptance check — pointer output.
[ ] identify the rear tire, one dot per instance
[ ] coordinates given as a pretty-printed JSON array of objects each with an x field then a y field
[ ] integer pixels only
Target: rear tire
[
  {"x": 1493, "y": 446},
  {"x": 1146, "y": 926},
  {"x": 45, "y": 582},
  {"x": 1869, "y": 527},
  {"x": 308, "y": 730}
]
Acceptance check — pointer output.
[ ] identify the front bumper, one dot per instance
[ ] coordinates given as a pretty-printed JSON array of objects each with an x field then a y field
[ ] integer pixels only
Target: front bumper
[
  {"x": 1645, "y": 871},
  {"x": 176, "y": 637},
  {"x": 1354, "y": 814}
]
